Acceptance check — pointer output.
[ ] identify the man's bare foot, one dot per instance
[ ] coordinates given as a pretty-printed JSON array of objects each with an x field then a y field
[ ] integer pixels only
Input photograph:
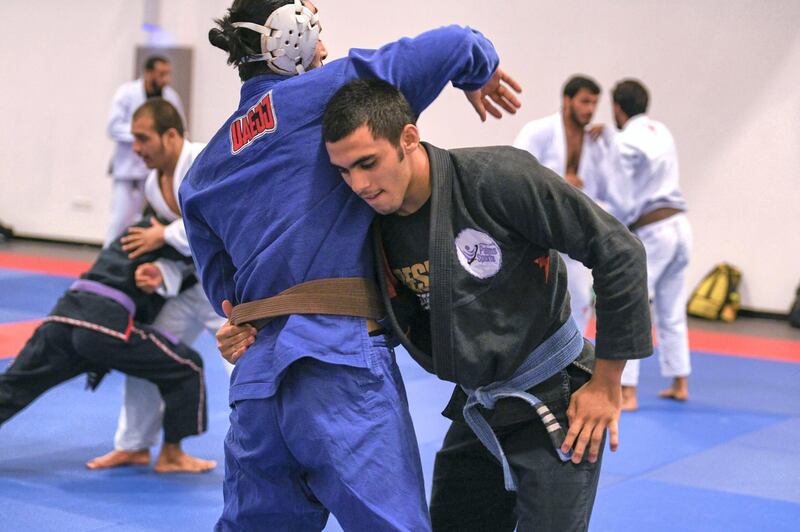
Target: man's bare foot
[
  {"x": 173, "y": 460},
  {"x": 629, "y": 401},
  {"x": 679, "y": 391},
  {"x": 120, "y": 458}
]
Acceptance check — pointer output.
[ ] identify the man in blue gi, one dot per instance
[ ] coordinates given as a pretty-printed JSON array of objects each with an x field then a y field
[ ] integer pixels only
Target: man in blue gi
[
  {"x": 470, "y": 238},
  {"x": 319, "y": 417}
]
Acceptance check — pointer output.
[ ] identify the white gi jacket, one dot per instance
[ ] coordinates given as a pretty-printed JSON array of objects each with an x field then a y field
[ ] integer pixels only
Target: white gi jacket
[
  {"x": 125, "y": 164},
  {"x": 545, "y": 139},
  {"x": 174, "y": 233},
  {"x": 646, "y": 162}
]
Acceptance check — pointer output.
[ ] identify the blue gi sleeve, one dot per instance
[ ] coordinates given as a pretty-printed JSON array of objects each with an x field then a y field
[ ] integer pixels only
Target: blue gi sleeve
[
  {"x": 214, "y": 266},
  {"x": 422, "y": 66}
]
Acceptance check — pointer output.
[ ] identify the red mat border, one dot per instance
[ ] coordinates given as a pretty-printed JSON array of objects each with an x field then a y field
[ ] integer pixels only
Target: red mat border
[
  {"x": 715, "y": 343},
  {"x": 46, "y": 265},
  {"x": 14, "y": 335}
]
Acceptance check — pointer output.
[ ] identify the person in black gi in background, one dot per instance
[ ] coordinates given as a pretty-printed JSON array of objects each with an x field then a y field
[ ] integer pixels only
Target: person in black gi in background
[{"x": 100, "y": 324}]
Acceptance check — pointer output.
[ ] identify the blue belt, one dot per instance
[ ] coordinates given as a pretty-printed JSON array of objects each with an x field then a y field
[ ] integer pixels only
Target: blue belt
[
  {"x": 100, "y": 289},
  {"x": 550, "y": 357}
]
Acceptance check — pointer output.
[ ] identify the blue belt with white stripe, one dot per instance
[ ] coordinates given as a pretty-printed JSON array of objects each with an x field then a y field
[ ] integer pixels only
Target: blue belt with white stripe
[{"x": 550, "y": 357}]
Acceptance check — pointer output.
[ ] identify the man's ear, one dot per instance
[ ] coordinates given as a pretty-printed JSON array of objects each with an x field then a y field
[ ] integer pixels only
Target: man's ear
[
  {"x": 409, "y": 138},
  {"x": 171, "y": 135}
]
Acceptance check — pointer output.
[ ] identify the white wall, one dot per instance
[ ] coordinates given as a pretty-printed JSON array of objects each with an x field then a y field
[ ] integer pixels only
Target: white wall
[
  {"x": 58, "y": 74},
  {"x": 723, "y": 76}
]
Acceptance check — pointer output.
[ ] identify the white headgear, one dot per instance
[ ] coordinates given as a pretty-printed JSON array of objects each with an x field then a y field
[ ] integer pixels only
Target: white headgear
[{"x": 288, "y": 39}]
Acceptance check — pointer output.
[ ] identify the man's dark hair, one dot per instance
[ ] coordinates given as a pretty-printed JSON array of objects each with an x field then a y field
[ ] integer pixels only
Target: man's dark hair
[
  {"x": 576, "y": 83},
  {"x": 164, "y": 114},
  {"x": 153, "y": 60},
  {"x": 371, "y": 102},
  {"x": 242, "y": 42},
  {"x": 631, "y": 96}
]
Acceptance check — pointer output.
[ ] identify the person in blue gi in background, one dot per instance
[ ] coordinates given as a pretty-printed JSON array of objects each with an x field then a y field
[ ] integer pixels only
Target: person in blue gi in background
[{"x": 319, "y": 419}]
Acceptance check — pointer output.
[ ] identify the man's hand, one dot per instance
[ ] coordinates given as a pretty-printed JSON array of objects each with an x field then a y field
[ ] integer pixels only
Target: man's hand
[
  {"x": 594, "y": 408},
  {"x": 148, "y": 277},
  {"x": 141, "y": 240},
  {"x": 233, "y": 340},
  {"x": 497, "y": 90},
  {"x": 574, "y": 180},
  {"x": 596, "y": 130}
]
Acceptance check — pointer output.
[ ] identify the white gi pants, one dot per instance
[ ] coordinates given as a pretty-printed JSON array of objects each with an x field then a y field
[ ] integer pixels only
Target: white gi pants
[
  {"x": 579, "y": 286},
  {"x": 185, "y": 316},
  {"x": 127, "y": 202},
  {"x": 668, "y": 245}
]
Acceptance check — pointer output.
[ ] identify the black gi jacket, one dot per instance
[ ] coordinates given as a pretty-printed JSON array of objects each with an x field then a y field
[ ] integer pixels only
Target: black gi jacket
[
  {"x": 485, "y": 321},
  {"x": 113, "y": 268}
]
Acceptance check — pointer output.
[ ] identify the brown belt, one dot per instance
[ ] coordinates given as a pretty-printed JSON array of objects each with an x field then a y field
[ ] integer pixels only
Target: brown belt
[
  {"x": 348, "y": 296},
  {"x": 654, "y": 216}
]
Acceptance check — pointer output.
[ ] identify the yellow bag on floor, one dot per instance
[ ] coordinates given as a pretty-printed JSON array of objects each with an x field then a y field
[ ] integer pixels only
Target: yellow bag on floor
[{"x": 717, "y": 295}]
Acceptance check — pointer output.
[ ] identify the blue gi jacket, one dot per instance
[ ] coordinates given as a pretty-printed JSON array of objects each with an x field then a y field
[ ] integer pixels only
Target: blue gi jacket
[{"x": 264, "y": 210}]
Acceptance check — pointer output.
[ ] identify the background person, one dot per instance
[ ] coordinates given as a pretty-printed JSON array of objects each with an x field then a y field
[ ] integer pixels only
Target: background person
[
  {"x": 564, "y": 143},
  {"x": 648, "y": 166},
  {"x": 128, "y": 171},
  {"x": 100, "y": 324},
  {"x": 159, "y": 140}
]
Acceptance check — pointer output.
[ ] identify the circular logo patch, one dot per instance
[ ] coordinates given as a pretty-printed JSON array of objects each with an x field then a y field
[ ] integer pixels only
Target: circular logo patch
[{"x": 478, "y": 253}]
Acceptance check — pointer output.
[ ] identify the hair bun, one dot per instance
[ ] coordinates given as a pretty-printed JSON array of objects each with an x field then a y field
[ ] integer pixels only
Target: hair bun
[{"x": 218, "y": 38}]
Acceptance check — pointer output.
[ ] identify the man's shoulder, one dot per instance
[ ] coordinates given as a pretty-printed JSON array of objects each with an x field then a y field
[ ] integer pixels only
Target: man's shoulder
[
  {"x": 494, "y": 179},
  {"x": 536, "y": 133},
  {"x": 478, "y": 166},
  {"x": 501, "y": 154},
  {"x": 196, "y": 147},
  {"x": 543, "y": 124},
  {"x": 130, "y": 87},
  {"x": 188, "y": 157},
  {"x": 172, "y": 95},
  {"x": 645, "y": 135}
]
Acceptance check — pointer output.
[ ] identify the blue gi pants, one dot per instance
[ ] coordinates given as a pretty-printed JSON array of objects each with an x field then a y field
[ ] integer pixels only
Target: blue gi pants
[{"x": 333, "y": 438}]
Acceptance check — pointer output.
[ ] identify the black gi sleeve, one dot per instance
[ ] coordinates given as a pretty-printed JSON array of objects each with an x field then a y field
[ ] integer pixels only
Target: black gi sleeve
[{"x": 534, "y": 202}]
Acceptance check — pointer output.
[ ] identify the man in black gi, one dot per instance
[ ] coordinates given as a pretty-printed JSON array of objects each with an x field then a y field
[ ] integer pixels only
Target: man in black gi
[
  {"x": 477, "y": 293},
  {"x": 99, "y": 325},
  {"x": 470, "y": 240}
]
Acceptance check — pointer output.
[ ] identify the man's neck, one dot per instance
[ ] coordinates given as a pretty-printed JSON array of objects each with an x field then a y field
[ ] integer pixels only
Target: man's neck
[
  {"x": 570, "y": 125},
  {"x": 419, "y": 188},
  {"x": 168, "y": 172},
  {"x": 151, "y": 90}
]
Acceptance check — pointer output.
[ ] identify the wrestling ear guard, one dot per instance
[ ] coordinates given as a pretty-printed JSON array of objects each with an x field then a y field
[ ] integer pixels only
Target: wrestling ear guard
[{"x": 288, "y": 39}]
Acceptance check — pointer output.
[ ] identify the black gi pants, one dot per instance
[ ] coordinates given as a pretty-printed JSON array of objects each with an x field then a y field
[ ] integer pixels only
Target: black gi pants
[
  {"x": 468, "y": 489},
  {"x": 59, "y": 351}
]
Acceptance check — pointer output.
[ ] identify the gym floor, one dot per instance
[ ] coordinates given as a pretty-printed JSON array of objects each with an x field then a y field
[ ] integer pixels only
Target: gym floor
[{"x": 725, "y": 460}]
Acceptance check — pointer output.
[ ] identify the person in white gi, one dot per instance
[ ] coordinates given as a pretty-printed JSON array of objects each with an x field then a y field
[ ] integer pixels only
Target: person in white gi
[
  {"x": 128, "y": 172},
  {"x": 647, "y": 165},
  {"x": 159, "y": 140},
  {"x": 563, "y": 142}
]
